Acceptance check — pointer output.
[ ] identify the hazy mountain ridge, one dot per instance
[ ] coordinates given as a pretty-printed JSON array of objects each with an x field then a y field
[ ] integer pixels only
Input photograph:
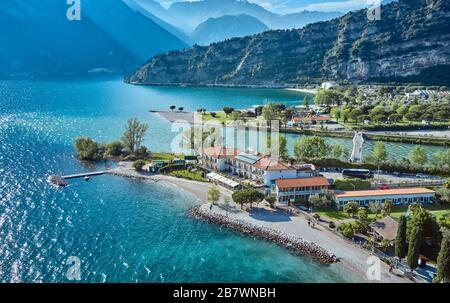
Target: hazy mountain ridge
[
  {"x": 225, "y": 27},
  {"x": 37, "y": 39},
  {"x": 411, "y": 37}
]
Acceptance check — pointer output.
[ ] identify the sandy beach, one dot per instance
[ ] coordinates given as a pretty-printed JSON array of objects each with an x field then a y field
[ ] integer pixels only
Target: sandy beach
[{"x": 351, "y": 256}]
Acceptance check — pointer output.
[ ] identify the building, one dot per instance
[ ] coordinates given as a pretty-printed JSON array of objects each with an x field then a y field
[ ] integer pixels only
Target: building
[
  {"x": 399, "y": 196},
  {"x": 257, "y": 168},
  {"x": 300, "y": 189},
  {"x": 216, "y": 158},
  {"x": 329, "y": 85},
  {"x": 385, "y": 228},
  {"x": 315, "y": 119}
]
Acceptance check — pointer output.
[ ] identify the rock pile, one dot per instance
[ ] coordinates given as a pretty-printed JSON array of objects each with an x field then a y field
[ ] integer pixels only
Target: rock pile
[{"x": 291, "y": 242}]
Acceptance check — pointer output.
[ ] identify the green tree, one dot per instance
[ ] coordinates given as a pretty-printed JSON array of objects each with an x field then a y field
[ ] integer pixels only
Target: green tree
[
  {"x": 138, "y": 165},
  {"x": 283, "y": 147},
  {"x": 400, "y": 240},
  {"x": 387, "y": 207},
  {"x": 443, "y": 260},
  {"x": 271, "y": 200},
  {"x": 310, "y": 147},
  {"x": 226, "y": 204},
  {"x": 305, "y": 102},
  {"x": 336, "y": 151},
  {"x": 228, "y": 110},
  {"x": 271, "y": 111},
  {"x": 172, "y": 107},
  {"x": 134, "y": 134},
  {"x": 213, "y": 195},
  {"x": 362, "y": 214},
  {"x": 315, "y": 201},
  {"x": 114, "y": 149},
  {"x": 350, "y": 208},
  {"x": 247, "y": 196},
  {"x": 418, "y": 156},
  {"x": 415, "y": 244},
  {"x": 87, "y": 149},
  {"x": 379, "y": 154}
]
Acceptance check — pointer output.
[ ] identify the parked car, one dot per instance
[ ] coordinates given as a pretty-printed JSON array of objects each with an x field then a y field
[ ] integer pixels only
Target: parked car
[{"x": 384, "y": 186}]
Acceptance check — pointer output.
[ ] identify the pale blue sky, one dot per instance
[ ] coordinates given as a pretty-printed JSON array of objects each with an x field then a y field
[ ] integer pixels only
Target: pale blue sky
[{"x": 288, "y": 6}]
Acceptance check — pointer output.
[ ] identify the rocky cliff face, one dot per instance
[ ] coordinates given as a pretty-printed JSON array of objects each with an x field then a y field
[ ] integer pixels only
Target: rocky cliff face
[{"x": 412, "y": 36}]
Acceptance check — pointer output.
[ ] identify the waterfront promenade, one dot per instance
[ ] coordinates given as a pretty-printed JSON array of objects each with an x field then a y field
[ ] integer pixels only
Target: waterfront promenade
[{"x": 352, "y": 257}]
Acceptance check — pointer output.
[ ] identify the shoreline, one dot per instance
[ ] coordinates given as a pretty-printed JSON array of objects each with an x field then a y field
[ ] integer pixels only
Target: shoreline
[
  {"x": 312, "y": 91},
  {"x": 353, "y": 258}
]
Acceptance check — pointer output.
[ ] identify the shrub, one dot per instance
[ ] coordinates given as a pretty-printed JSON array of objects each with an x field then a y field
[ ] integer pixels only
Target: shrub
[
  {"x": 114, "y": 149},
  {"x": 332, "y": 224},
  {"x": 88, "y": 149},
  {"x": 317, "y": 217},
  {"x": 138, "y": 165},
  {"x": 171, "y": 167}
]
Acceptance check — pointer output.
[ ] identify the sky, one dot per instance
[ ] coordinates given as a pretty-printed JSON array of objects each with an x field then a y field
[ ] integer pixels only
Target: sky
[{"x": 290, "y": 6}]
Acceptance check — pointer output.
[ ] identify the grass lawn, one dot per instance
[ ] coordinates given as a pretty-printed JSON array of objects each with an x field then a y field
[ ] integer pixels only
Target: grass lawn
[
  {"x": 185, "y": 174},
  {"x": 331, "y": 214},
  {"x": 165, "y": 156},
  {"x": 339, "y": 215},
  {"x": 220, "y": 117}
]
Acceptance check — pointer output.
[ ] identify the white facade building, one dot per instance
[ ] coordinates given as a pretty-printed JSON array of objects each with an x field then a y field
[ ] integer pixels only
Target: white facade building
[{"x": 399, "y": 196}]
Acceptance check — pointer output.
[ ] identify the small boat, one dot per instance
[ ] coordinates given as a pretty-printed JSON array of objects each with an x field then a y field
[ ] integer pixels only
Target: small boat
[{"x": 87, "y": 178}]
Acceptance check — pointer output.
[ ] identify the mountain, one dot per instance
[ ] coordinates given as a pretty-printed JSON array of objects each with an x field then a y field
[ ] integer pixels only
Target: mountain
[
  {"x": 411, "y": 39},
  {"x": 300, "y": 19},
  {"x": 195, "y": 12},
  {"x": 143, "y": 7},
  {"x": 225, "y": 27},
  {"x": 37, "y": 39},
  {"x": 156, "y": 9}
]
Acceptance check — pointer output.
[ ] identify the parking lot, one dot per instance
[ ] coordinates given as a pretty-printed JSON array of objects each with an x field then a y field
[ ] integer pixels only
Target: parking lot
[{"x": 389, "y": 178}]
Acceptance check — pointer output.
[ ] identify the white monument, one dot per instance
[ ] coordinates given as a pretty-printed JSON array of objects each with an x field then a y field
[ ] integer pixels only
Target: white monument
[{"x": 358, "y": 141}]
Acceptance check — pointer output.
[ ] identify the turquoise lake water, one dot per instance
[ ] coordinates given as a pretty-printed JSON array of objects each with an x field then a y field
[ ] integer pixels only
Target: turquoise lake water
[{"x": 122, "y": 230}]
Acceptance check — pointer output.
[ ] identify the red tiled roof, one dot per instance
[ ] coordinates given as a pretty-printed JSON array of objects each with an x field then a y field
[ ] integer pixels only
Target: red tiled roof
[
  {"x": 387, "y": 192},
  {"x": 267, "y": 163},
  {"x": 302, "y": 182},
  {"x": 220, "y": 152},
  {"x": 311, "y": 118}
]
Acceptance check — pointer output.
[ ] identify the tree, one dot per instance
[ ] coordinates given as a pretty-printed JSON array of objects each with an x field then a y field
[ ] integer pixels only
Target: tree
[
  {"x": 283, "y": 147},
  {"x": 87, "y": 149},
  {"x": 350, "y": 208},
  {"x": 172, "y": 108},
  {"x": 380, "y": 153},
  {"x": 418, "y": 156},
  {"x": 247, "y": 196},
  {"x": 114, "y": 149},
  {"x": 180, "y": 109},
  {"x": 443, "y": 260},
  {"x": 315, "y": 201},
  {"x": 271, "y": 200},
  {"x": 362, "y": 214},
  {"x": 134, "y": 134},
  {"x": 385, "y": 244},
  {"x": 387, "y": 207},
  {"x": 138, "y": 165},
  {"x": 213, "y": 195},
  {"x": 400, "y": 240},
  {"x": 415, "y": 244},
  {"x": 226, "y": 204},
  {"x": 310, "y": 147},
  {"x": 271, "y": 112},
  {"x": 336, "y": 151},
  {"x": 305, "y": 102},
  {"x": 228, "y": 110}
]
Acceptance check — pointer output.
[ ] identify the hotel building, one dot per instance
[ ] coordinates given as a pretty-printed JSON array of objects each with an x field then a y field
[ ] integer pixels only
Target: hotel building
[
  {"x": 399, "y": 196},
  {"x": 300, "y": 189}
]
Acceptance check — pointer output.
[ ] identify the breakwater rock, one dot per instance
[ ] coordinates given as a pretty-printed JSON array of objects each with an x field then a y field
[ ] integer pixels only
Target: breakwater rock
[{"x": 289, "y": 241}]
